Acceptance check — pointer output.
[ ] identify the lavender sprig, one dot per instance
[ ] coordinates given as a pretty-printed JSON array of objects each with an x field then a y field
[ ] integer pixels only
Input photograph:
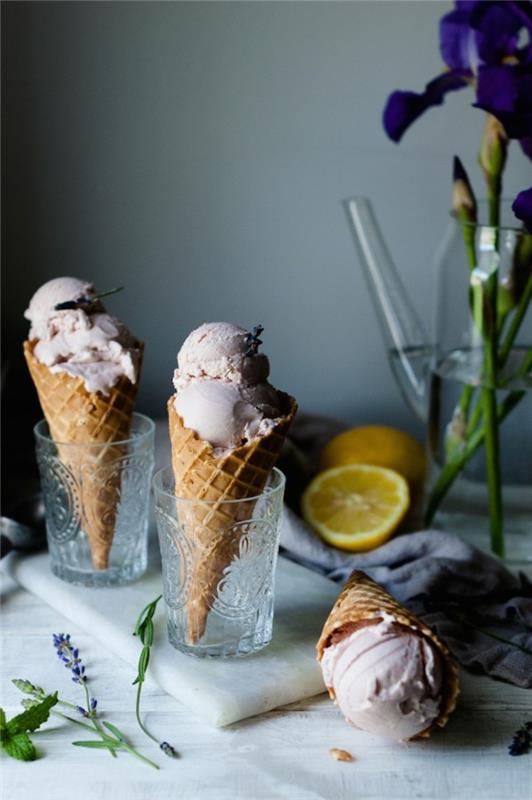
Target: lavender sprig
[
  {"x": 69, "y": 656},
  {"x": 70, "y": 305},
  {"x": 252, "y": 340},
  {"x": 111, "y": 739},
  {"x": 144, "y": 630}
]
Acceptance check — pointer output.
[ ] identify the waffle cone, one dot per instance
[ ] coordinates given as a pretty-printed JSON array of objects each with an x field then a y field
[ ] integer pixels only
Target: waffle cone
[
  {"x": 362, "y": 602},
  {"x": 200, "y": 475},
  {"x": 77, "y": 416}
]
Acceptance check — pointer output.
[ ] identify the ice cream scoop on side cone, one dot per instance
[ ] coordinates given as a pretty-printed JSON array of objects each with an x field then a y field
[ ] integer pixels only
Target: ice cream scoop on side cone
[
  {"x": 203, "y": 475},
  {"x": 78, "y": 416},
  {"x": 388, "y": 671}
]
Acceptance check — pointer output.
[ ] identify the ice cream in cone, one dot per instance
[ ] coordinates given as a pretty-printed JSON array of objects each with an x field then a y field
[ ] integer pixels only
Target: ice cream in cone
[
  {"x": 389, "y": 673},
  {"x": 85, "y": 367},
  {"x": 227, "y": 428}
]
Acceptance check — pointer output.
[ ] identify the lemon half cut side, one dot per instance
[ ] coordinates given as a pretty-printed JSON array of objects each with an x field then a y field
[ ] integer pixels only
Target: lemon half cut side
[{"x": 356, "y": 507}]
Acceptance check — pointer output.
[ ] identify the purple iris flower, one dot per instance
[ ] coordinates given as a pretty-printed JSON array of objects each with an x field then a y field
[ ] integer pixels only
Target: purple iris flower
[
  {"x": 403, "y": 108},
  {"x": 505, "y": 90},
  {"x": 478, "y": 32},
  {"x": 522, "y": 208},
  {"x": 474, "y": 37}
]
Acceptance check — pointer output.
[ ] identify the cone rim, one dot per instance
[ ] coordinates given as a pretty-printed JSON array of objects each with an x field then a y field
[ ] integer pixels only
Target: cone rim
[
  {"x": 267, "y": 491},
  {"x": 286, "y": 416},
  {"x": 49, "y": 438}
]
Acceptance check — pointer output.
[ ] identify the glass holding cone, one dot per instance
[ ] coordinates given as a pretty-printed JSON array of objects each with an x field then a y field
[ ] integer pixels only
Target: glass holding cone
[
  {"x": 218, "y": 559},
  {"x": 96, "y": 498}
]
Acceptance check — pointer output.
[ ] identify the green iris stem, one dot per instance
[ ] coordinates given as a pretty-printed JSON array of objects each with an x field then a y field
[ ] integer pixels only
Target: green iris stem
[
  {"x": 493, "y": 469},
  {"x": 464, "y": 403},
  {"x": 515, "y": 324},
  {"x": 488, "y": 396},
  {"x": 494, "y": 205},
  {"x": 453, "y": 468}
]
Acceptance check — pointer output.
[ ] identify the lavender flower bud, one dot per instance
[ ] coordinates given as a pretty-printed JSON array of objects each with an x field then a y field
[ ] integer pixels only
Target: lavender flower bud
[{"x": 168, "y": 750}]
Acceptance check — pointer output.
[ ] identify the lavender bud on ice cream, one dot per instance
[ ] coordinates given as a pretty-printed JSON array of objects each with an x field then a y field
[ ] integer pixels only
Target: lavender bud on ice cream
[
  {"x": 386, "y": 678},
  {"x": 222, "y": 391},
  {"x": 83, "y": 341}
]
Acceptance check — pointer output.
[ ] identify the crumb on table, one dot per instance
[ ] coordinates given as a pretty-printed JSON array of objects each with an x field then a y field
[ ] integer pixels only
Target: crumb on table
[{"x": 340, "y": 755}]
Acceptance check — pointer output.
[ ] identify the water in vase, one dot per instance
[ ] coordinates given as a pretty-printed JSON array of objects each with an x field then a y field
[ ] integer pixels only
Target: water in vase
[{"x": 465, "y": 508}]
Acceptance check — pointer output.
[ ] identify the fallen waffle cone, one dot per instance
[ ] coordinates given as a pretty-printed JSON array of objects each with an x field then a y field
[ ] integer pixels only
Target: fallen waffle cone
[
  {"x": 200, "y": 475},
  {"x": 76, "y": 416},
  {"x": 363, "y": 602}
]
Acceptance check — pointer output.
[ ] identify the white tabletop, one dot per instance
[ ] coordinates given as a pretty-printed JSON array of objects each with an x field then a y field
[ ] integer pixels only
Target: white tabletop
[{"x": 281, "y": 754}]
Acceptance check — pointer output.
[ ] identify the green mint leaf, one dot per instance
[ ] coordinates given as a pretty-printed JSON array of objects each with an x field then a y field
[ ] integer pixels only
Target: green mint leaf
[
  {"x": 32, "y": 718},
  {"x": 19, "y": 746},
  {"x": 2, "y": 719}
]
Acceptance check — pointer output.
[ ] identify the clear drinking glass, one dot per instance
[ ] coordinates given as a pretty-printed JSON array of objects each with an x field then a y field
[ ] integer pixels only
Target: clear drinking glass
[
  {"x": 96, "y": 499},
  {"x": 218, "y": 560}
]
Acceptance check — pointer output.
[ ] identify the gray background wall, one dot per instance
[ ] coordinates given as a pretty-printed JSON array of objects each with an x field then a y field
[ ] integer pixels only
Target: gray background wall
[{"x": 197, "y": 153}]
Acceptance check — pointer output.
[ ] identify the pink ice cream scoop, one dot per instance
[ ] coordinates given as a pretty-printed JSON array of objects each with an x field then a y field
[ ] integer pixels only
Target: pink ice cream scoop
[
  {"x": 386, "y": 678},
  {"x": 221, "y": 386},
  {"x": 75, "y": 335}
]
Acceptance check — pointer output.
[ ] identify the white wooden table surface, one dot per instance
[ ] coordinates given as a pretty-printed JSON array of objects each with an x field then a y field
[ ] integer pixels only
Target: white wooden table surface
[{"x": 281, "y": 754}]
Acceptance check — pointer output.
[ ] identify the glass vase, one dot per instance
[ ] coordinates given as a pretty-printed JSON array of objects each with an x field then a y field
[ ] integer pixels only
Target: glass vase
[
  {"x": 470, "y": 379},
  {"x": 480, "y": 388}
]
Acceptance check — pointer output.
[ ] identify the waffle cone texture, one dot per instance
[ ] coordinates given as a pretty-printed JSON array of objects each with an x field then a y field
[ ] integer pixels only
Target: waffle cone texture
[
  {"x": 77, "y": 416},
  {"x": 363, "y": 602},
  {"x": 239, "y": 474}
]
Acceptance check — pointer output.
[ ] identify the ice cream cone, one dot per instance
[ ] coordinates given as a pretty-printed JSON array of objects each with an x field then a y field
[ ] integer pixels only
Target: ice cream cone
[
  {"x": 77, "y": 416},
  {"x": 363, "y": 602},
  {"x": 200, "y": 475}
]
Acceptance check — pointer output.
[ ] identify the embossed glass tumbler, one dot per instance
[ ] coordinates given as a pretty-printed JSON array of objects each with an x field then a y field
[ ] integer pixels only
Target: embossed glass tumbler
[
  {"x": 218, "y": 560},
  {"x": 96, "y": 499}
]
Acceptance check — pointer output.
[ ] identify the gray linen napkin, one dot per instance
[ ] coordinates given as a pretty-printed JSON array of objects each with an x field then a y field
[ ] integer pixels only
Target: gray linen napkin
[{"x": 467, "y": 596}]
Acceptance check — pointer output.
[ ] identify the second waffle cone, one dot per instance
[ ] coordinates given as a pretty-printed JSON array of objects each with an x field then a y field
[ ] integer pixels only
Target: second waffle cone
[
  {"x": 363, "y": 602},
  {"x": 200, "y": 475}
]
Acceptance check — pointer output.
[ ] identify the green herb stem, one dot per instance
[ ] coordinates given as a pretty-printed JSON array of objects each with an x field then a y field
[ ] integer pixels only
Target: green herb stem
[
  {"x": 110, "y": 743},
  {"x": 92, "y": 717},
  {"x": 145, "y": 631},
  {"x": 137, "y": 713}
]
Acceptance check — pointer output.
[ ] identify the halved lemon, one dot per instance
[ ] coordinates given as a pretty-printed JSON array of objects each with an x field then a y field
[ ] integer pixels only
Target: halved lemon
[{"x": 356, "y": 507}]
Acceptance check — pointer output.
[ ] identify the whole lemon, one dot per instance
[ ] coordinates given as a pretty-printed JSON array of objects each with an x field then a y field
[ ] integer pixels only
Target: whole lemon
[{"x": 380, "y": 446}]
